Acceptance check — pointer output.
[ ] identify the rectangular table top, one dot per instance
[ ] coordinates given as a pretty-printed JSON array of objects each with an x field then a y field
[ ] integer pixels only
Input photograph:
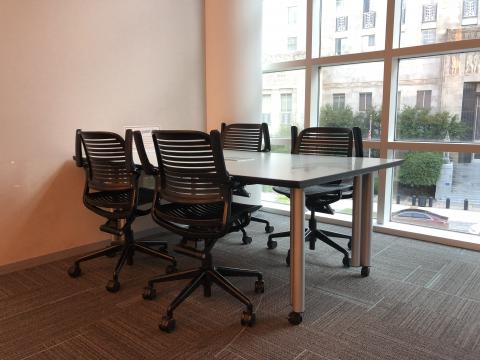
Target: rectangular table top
[{"x": 298, "y": 171}]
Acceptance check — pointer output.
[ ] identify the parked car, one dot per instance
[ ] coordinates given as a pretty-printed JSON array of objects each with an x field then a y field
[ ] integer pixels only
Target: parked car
[{"x": 420, "y": 217}]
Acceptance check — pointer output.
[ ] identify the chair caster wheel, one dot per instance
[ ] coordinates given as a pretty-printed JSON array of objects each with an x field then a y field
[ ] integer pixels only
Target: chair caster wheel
[
  {"x": 74, "y": 271},
  {"x": 259, "y": 286},
  {"x": 287, "y": 259},
  {"x": 149, "y": 293},
  {"x": 365, "y": 271},
  {"x": 271, "y": 244},
  {"x": 346, "y": 261},
  {"x": 170, "y": 269},
  {"x": 295, "y": 318},
  {"x": 269, "y": 229},
  {"x": 167, "y": 324},
  {"x": 246, "y": 240},
  {"x": 248, "y": 318},
  {"x": 113, "y": 286}
]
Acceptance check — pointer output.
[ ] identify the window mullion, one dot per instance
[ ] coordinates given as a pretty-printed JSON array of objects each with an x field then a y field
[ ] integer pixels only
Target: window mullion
[{"x": 384, "y": 201}]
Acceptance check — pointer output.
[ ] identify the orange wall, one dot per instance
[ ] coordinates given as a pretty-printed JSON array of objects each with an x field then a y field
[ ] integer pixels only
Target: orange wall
[
  {"x": 233, "y": 61},
  {"x": 90, "y": 64}
]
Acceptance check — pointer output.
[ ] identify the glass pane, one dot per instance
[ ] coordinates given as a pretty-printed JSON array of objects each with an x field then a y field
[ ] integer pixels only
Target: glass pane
[
  {"x": 352, "y": 26},
  {"x": 284, "y": 30},
  {"x": 438, "y": 98},
  {"x": 351, "y": 95},
  {"x": 438, "y": 190},
  {"x": 283, "y": 105},
  {"x": 437, "y": 21},
  {"x": 345, "y": 206}
]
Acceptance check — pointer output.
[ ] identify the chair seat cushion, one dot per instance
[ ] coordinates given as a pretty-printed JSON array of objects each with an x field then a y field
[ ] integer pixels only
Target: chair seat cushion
[
  {"x": 110, "y": 199},
  {"x": 317, "y": 190},
  {"x": 201, "y": 214}
]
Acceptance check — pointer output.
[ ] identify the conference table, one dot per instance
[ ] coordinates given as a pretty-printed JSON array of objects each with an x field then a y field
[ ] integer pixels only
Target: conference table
[{"x": 298, "y": 172}]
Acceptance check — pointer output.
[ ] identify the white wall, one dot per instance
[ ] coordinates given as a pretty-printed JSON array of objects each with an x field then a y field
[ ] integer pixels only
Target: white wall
[{"x": 90, "y": 64}]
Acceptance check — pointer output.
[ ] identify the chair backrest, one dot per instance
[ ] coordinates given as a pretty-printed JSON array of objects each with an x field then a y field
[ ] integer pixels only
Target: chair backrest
[
  {"x": 109, "y": 164},
  {"x": 327, "y": 141},
  {"x": 246, "y": 137},
  {"x": 357, "y": 138},
  {"x": 191, "y": 167}
]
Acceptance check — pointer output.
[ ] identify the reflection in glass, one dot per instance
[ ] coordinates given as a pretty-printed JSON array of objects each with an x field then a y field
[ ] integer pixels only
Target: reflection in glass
[
  {"x": 439, "y": 98},
  {"x": 351, "y": 95},
  {"x": 437, "y": 190}
]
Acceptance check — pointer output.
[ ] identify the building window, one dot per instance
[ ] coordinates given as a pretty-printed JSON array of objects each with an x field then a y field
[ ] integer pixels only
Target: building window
[
  {"x": 404, "y": 12},
  {"x": 470, "y": 8},
  {"x": 424, "y": 99},
  {"x": 365, "y": 101},
  {"x": 292, "y": 15},
  {"x": 429, "y": 36},
  {"x": 292, "y": 43},
  {"x": 340, "y": 44},
  {"x": 342, "y": 23},
  {"x": 369, "y": 20},
  {"x": 367, "y": 42},
  {"x": 368, "y": 15},
  {"x": 338, "y": 101},
  {"x": 429, "y": 13},
  {"x": 286, "y": 108}
]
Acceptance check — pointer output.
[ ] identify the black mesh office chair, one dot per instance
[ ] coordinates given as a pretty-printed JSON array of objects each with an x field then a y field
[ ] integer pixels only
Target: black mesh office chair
[
  {"x": 193, "y": 198},
  {"x": 247, "y": 137},
  {"x": 112, "y": 191},
  {"x": 326, "y": 141}
]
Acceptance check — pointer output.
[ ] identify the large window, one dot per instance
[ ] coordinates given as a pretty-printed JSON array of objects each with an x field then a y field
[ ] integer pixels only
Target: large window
[{"x": 415, "y": 94}]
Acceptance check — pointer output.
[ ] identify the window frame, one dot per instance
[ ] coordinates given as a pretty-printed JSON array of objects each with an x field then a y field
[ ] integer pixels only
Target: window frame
[{"x": 386, "y": 145}]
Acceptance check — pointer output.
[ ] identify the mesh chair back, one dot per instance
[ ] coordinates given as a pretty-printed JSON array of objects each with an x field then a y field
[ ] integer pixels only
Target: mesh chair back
[
  {"x": 191, "y": 167},
  {"x": 109, "y": 162},
  {"x": 330, "y": 141},
  {"x": 246, "y": 137}
]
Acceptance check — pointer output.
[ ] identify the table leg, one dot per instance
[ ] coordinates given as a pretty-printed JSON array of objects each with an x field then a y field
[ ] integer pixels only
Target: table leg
[
  {"x": 356, "y": 220},
  {"x": 366, "y": 223},
  {"x": 297, "y": 255}
]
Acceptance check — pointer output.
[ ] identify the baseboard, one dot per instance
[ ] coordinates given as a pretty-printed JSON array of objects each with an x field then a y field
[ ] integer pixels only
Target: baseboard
[{"x": 76, "y": 251}]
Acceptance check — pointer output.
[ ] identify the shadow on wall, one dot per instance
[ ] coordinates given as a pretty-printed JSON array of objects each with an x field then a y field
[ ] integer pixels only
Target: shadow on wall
[{"x": 50, "y": 219}]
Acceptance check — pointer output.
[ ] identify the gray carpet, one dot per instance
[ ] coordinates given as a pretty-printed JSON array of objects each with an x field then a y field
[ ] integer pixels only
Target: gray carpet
[{"x": 421, "y": 301}]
